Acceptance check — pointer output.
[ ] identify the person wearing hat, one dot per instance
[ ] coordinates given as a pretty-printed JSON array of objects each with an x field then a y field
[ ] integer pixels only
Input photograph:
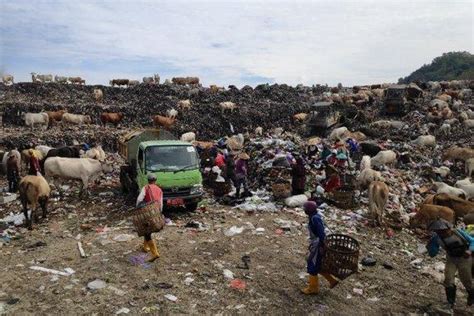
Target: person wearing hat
[
  {"x": 316, "y": 250},
  {"x": 241, "y": 173},
  {"x": 34, "y": 163},
  {"x": 459, "y": 247},
  {"x": 151, "y": 193}
]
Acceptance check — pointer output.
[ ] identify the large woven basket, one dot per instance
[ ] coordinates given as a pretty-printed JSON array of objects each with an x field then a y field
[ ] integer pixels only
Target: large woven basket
[
  {"x": 148, "y": 219},
  {"x": 344, "y": 197},
  {"x": 341, "y": 256},
  {"x": 281, "y": 190}
]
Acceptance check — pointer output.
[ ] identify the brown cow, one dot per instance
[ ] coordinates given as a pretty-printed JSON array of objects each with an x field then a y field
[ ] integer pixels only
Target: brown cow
[
  {"x": 378, "y": 196},
  {"x": 119, "y": 82},
  {"x": 111, "y": 117},
  {"x": 164, "y": 121},
  {"x": 458, "y": 153},
  {"x": 429, "y": 213},
  {"x": 55, "y": 116},
  {"x": 460, "y": 206}
]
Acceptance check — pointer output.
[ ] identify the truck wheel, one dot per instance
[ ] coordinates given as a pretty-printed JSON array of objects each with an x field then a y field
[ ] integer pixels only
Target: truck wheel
[{"x": 191, "y": 207}]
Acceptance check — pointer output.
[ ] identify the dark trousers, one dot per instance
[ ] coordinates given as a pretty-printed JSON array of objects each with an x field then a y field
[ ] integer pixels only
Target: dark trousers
[
  {"x": 12, "y": 181},
  {"x": 147, "y": 237}
]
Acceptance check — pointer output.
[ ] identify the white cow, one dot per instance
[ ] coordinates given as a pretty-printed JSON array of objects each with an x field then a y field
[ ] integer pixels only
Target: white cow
[
  {"x": 41, "y": 78},
  {"x": 384, "y": 157},
  {"x": 172, "y": 113},
  {"x": 60, "y": 79},
  {"x": 76, "y": 119},
  {"x": 228, "y": 106},
  {"x": 188, "y": 137},
  {"x": 83, "y": 169},
  {"x": 36, "y": 118},
  {"x": 7, "y": 79}
]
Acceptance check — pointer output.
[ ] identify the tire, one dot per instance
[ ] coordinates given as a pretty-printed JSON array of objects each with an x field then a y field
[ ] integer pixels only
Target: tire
[{"x": 191, "y": 207}]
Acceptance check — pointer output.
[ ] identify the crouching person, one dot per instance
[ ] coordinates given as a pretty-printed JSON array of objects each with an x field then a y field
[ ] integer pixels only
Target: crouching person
[
  {"x": 458, "y": 246},
  {"x": 151, "y": 193},
  {"x": 316, "y": 250}
]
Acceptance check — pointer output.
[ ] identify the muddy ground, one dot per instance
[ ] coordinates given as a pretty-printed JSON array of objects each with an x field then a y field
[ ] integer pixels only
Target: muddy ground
[{"x": 277, "y": 258}]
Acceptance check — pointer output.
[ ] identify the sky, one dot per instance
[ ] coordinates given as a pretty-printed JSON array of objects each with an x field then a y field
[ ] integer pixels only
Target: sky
[{"x": 231, "y": 42}]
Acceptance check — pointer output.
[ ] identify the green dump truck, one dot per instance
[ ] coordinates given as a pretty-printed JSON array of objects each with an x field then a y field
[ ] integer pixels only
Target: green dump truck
[{"x": 174, "y": 163}]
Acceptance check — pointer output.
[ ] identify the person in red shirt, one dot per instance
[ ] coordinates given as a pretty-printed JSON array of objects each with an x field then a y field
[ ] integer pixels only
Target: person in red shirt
[
  {"x": 34, "y": 163},
  {"x": 151, "y": 193}
]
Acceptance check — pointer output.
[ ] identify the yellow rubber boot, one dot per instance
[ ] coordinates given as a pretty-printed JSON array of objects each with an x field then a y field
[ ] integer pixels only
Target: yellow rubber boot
[
  {"x": 313, "y": 285},
  {"x": 154, "y": 251},
  {"x": 331, "y": 279},
  {"x": 145, "y": 247}
]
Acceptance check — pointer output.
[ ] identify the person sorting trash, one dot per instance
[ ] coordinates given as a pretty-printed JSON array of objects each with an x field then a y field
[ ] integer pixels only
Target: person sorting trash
[
  {"x": 459, "y": 247},
  {"x": 150, "y": 200},
  {"x": 316, "y": 250}
]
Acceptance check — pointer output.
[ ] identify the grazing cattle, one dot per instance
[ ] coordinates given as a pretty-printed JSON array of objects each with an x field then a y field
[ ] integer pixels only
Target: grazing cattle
[
  {"x": 41, "y": 78},
  {"x": 367, "y": 176},
  {"x": 227, "y": 105},
  {"x": 98, "y": 95},
  {"x": 358, "y": 136},
  {"x": 378, "y": 196},
  {"x": 7, "y": 79},
  {"x": 429, "y": 213},
  {"x": 468, "y": 123},
  {"x": 12, "y": 152},
  {"x": 110, "y": 117},
  {"x": 76, "y": 80},
  {"x": 165, "y": 122},
  {"x": 68, "y": 151},
  {"x": 84, "y": 169},
  {"x": 184, "y": 104},
  {"x": 118, "y": 82},
  {"x": 172, "y": 113},
  {"x": 188, "y": 137},
  {"x": 458, "y": 153},
  {"x": 185, "y": 80},
  {"x": 43, "y": 149},
  {"x": 31, "y": 119},
  {"x": 460, "y": 206},
  {"x": 300, "y": 117},
  {"x": 425, "y": 141},
  {"x": 96, "y": 153},
  {"x": 148, "y": 80},
  {"x": 442, "y": 171},
  {"x": 34, "y": 190},
  {"x": 365, "y": 163},
  {"x": 60, "y": 79},
  {"x": 370, "y": 149},
  {"x": 55, "y": 116},
  {"x": 340, "y": 133},
  {"x": 132, "y": 83},
  {"x": 78, "y": 119},
  {"x": 467, "y": 186},
  {"x": 384, "y": 157},
  {"x": 469, "y": 166},
  {"x": 441, "y": 187}
]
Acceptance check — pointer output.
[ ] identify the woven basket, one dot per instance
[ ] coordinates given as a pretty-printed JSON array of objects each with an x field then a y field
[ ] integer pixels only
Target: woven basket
[
  {"x": 281, "y": 190},
  {"x": 344, "y": 199},
  {"x": 341, "y": 256},
  {"x": 148, "y": 219}
]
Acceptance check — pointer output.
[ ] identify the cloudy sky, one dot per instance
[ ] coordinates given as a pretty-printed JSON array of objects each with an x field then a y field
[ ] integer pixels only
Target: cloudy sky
[{"x": 231, "y": 42}]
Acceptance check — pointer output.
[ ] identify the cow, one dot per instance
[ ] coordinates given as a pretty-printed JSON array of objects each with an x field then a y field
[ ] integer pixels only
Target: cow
[
  {"x": 76, "y": 119},
  {"x": 55, "y": 116},
  {"x": 76, "y": 80},
  {"x": 60, "y": 79},
  {"x": 34, "y": 190},
  {"x": 7, "y": 79},
  {"x": 36, "y": 118},
  {"x": 98, "y": 95},
  {"x": 378, "y": 196},
  {"x": 133, "y": 83},
  {"x": 41, "y": 78},
  {"x": 165, "y": 122},
  {"x": 119, "y": 82},
  {"x": 184, "y": 104},
  {"x": 110, "y": 117}
]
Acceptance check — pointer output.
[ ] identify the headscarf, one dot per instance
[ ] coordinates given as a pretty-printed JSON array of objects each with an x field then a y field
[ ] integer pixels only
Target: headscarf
[{"x": 310, "y": 207}]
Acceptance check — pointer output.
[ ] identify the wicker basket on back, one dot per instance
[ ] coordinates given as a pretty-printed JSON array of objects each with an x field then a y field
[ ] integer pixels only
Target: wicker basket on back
[
  {"x": 148, "y": 218},
  {"x": 341, "y": 256}
]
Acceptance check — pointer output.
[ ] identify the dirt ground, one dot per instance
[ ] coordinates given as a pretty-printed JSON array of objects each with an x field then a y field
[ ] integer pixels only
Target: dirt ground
[{"x": 192, "y": 263}]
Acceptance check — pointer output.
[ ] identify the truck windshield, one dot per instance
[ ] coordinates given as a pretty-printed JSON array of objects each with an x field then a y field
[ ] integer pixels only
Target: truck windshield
[{"x": 170, "y": 158}]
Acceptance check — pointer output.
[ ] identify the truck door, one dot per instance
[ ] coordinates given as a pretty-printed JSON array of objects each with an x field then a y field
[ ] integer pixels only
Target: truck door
[{"x": 141, "y": 172}]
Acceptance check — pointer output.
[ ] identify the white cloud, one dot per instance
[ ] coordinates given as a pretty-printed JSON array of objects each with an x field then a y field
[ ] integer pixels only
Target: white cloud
[{"x": 222, "y": 42}]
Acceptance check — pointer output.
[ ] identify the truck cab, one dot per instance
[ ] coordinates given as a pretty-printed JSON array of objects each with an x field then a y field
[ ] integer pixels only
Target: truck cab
[
  {"x": 175, "y": 165},
  {"x": 323, "y": 116}
]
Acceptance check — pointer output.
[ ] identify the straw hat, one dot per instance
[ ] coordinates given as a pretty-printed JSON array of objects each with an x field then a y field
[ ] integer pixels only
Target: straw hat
[{"x": 243, "y": 156}]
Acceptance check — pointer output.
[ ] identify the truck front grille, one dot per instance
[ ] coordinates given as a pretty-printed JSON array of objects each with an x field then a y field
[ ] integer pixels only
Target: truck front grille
[{"x": 176, "y": 192}]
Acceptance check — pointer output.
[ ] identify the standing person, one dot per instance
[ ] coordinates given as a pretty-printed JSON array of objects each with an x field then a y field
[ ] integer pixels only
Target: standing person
[
  {"x": 459, "y": 247},
  {"x": 230, "y": 168},
  {"x": 241, "y": 173},
  {"x": 316, "y": 249},
  {"x": 298, "y": 174},
  {"x": 34, "y": 163},
  {"x": 12, "y": 173},
  {"x": 151, "y": 193}
]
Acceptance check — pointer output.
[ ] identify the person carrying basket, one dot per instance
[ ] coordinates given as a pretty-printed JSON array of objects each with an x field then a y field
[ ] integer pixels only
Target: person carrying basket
[
  {"x": 151, "y": 197},
  {"x": 316, "y": 250}
]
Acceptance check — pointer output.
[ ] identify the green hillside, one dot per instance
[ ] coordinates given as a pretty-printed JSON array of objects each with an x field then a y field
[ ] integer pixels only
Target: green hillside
[{"x": 449, "y": 66}]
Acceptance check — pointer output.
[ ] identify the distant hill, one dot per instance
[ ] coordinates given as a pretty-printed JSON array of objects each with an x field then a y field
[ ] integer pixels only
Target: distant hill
[{"x": 449, "y": 66}]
